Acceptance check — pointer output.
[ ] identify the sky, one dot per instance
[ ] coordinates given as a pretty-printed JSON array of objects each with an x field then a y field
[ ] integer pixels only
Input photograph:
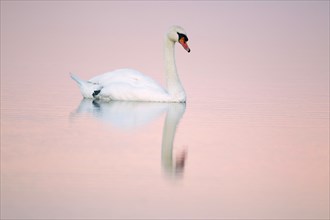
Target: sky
[{"x": 242, "y": 40}]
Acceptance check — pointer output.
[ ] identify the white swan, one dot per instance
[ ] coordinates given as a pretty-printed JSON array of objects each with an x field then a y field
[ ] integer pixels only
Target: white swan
[{"x": 131, "y": 85}]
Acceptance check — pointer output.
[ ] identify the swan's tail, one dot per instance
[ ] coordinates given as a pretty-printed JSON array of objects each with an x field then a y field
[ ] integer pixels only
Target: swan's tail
[
  {"x": 87, "y": 89},
  {"x": 77, "y": 79}
]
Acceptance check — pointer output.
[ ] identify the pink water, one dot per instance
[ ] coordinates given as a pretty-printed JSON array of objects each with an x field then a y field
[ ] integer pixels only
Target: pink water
[{"x": 252, "y": 140}]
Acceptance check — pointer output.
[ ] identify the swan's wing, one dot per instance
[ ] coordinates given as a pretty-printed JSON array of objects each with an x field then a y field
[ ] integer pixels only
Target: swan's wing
[
  {"x": 128, "y": 76},
  {"x": 128, "y": 84},
  {"x": 132, "y": 92}
]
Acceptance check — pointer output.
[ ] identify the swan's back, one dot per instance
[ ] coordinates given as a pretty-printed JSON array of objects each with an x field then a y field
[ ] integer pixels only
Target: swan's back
[{"x": 129, "y": 84}]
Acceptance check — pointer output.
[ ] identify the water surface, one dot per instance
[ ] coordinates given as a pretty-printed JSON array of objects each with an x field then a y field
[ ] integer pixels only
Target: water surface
[{"x": 222, "y": 158}]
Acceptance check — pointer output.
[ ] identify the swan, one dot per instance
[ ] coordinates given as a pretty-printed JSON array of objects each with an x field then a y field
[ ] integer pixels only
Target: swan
[{"x": 131, "y": 85}]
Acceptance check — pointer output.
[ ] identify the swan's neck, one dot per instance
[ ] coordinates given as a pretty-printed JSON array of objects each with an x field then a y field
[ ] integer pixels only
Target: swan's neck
[{"x": 174, "y": 86}]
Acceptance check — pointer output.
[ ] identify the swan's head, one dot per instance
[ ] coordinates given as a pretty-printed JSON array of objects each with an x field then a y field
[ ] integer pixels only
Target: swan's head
[{"x": 178, "y": 34}]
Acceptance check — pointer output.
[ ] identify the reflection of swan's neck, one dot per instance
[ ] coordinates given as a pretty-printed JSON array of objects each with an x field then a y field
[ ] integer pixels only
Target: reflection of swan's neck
[
  {"x": 174, "y": 114},
  {"x": 174, "y": 86}
]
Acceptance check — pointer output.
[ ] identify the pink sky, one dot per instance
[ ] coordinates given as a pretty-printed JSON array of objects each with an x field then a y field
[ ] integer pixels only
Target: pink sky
[{"x": 268, "y": 41}]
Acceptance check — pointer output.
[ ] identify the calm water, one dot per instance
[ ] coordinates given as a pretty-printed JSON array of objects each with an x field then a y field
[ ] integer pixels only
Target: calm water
[
  {"x": 236, "y": 155},
  {"x": 251, "y": 142}
]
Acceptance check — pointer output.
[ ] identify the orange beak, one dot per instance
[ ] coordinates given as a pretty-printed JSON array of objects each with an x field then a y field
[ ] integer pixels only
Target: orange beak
[{"x": 184, "y": 44}]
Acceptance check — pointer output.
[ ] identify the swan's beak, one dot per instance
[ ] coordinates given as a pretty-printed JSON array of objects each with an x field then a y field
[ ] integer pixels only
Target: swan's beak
[{"x": 184, "y": 44}]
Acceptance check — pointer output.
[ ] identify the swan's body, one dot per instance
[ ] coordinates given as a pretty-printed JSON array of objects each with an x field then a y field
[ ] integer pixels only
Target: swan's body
[{"x": 131, "y": 85}]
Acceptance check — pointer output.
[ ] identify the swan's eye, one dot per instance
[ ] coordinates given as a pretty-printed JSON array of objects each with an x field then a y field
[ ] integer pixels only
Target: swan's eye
[{"x": 182, "y": 36}]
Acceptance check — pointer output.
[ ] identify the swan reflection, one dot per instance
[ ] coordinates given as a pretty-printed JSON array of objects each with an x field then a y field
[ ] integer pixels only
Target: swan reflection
[
  {"x": 129, "y": 115},
  {"x": 174, "y": 113},
  {"x": 122, "y": 114}
]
